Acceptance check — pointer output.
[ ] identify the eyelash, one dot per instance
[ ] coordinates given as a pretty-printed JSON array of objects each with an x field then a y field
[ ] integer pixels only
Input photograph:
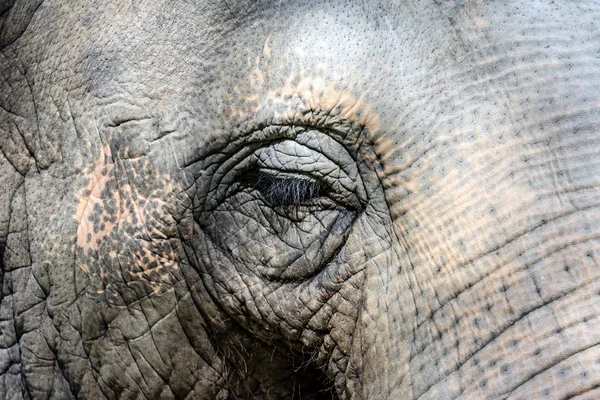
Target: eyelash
[{"x": 284, "y": 190}]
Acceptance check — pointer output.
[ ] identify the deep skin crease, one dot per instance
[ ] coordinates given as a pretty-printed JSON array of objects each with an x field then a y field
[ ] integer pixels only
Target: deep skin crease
[{"x": 314, "y": 199}]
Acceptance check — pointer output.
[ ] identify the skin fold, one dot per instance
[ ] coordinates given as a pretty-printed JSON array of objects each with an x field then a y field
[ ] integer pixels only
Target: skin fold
[{"x": 308, "y": 200}]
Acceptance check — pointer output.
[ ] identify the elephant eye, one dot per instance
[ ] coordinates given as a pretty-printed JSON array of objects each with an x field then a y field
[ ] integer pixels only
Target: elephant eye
[{"x": 283, "y": 207}]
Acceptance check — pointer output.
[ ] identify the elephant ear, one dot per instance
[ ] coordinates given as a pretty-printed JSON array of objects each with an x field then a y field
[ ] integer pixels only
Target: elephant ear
[{"x": 15, "y": 16}]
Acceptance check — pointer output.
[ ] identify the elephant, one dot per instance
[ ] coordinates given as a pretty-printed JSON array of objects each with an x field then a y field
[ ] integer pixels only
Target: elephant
[{"x": 384, "y": 199}]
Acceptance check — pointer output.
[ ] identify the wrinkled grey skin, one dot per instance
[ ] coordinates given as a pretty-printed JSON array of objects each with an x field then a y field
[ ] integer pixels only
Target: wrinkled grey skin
[{"x": 322, "y": 199}]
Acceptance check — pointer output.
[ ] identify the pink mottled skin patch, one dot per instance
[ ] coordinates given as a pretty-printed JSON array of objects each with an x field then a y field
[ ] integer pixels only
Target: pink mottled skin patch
[
  {"x": 123, "y": 231},
  {"x": 91, "y": 196}
]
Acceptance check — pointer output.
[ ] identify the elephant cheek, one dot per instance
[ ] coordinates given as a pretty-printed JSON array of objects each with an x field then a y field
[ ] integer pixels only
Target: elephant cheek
[{"x": 379, "y": 356}]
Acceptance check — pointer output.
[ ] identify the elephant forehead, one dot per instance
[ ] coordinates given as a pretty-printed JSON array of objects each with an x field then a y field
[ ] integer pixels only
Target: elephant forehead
[{"x": 403, "y": 63}]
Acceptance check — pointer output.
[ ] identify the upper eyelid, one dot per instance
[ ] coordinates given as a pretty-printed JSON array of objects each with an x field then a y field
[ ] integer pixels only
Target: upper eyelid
[
  {"x": 338, "y": 175},
  {"x": 313, "y": 162},
  {"x": 286, "y": 174}
]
